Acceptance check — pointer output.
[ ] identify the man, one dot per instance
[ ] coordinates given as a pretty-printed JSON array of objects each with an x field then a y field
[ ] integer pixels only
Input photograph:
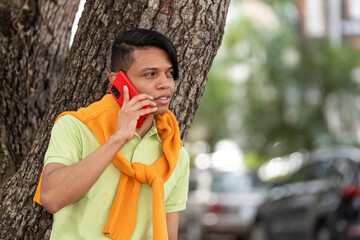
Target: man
[{"x": 103, "y": 177}]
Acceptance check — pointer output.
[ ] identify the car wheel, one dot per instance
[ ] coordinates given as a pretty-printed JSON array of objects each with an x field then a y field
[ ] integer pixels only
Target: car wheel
[
  {"x": 259, "y": 232},
  {"x": 323, "y": 233}
]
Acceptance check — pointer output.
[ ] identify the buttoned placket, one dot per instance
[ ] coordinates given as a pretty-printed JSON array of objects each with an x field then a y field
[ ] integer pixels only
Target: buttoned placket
[
  {"x": 139, "y": 142},
  {"x": 133, "y": 149}
]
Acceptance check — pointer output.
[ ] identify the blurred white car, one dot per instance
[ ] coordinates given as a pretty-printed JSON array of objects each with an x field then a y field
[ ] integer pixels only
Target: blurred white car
[{"x": 221, "y": 202}]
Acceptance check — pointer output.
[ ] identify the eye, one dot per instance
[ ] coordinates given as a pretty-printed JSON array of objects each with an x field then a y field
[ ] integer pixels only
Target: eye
[
  {"x": 170, "y": 74},
  {"x": 150, "y": 74}
]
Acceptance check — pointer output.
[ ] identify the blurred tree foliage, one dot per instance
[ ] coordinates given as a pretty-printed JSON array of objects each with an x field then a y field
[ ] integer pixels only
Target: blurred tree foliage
[{"x": 274, "y": 92}]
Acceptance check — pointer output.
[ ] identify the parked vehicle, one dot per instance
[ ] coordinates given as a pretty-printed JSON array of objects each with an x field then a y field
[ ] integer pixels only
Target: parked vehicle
[
  {"x": 320, "y": 201},
  {"x": 223, "y": 203}
]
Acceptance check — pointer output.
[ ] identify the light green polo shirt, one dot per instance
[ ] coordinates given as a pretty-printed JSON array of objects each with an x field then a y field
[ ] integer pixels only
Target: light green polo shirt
[{"x": 70, "y": 142}]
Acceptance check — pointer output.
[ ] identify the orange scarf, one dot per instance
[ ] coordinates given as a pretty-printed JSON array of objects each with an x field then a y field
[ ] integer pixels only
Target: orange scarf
[{"x": 101, "y": 118}]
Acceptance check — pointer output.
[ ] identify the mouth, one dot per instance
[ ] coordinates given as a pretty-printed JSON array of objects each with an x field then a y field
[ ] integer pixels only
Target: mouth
[{"x": 163, "y": 99}]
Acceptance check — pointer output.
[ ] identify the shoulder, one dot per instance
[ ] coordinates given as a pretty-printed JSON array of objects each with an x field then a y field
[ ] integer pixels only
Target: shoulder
[
  {"x": 184, "y": 155},
  {"x": 70, "y": 122},
  {"x": 69, "y": 126},
  {"x": 67, "y": 119},
  {"x": 184, "y": 159}
]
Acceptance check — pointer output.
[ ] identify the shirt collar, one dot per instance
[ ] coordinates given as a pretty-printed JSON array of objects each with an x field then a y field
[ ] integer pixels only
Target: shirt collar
[{"x": 152, "y": 131}]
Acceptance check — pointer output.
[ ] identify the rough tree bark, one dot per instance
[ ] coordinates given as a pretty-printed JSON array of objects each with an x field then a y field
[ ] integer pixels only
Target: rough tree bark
[
  {"x": 34, "y": 41},
  {"x": 196, "y": 28}
]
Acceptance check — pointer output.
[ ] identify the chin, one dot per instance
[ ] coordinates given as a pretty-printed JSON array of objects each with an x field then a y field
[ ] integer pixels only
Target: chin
[{"x": 161, "y": 111}]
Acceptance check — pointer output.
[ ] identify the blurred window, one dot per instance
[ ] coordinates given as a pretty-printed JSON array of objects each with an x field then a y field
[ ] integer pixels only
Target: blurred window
[
  {"x": 232, "y": 183},
  {"x": 341, "y": 168},
  {"x": 347, "y": 170},
  {"x": 313, "y": 171},
  {"x": 300, "y": 175},
  {"x": 322, "y": 169}
]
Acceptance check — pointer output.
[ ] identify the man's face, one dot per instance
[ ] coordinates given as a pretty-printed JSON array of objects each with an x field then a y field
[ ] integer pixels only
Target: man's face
[{"x": 152, "y": 73}]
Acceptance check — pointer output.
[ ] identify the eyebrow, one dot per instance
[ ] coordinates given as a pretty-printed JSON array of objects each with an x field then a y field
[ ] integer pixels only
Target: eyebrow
[{"x": 153, "y": 69}]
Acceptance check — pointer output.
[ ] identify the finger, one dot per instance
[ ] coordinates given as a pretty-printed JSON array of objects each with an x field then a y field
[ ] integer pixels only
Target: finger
[
  {"x": 141, "y": 104},
  {"x": 142, "y": 96},
  {"x": 126, "y": 95},
  {"x": 145, "y": 111}
]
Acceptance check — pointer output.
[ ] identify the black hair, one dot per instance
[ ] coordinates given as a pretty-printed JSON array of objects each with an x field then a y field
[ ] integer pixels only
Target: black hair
[{"x": 122, "y": 50}]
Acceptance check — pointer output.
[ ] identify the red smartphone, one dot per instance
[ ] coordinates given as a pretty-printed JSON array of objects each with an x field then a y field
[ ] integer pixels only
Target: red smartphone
[{"x": 117, "y": 88}]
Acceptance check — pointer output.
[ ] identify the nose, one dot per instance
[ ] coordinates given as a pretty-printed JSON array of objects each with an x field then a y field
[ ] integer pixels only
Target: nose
[{"x": 164, "y": 81}]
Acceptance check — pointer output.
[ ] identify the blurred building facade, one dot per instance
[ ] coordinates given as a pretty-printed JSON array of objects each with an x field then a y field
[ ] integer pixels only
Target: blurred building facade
[{"x": 337, "y": 19}]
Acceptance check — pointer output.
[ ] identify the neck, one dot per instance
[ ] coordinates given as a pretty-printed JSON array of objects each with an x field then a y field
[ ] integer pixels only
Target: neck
[{"x": 146, "y": 126}]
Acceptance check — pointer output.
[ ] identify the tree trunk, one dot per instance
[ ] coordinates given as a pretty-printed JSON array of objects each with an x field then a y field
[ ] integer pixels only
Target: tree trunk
[
  {"x": 34, "y": 41},
  {"x": 196, "y": 28}
]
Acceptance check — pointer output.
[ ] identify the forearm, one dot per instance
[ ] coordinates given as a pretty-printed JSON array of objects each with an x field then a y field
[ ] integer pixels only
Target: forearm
[
  {"x": 172, "y": 222},
  {"x": 63, "y": 185}
]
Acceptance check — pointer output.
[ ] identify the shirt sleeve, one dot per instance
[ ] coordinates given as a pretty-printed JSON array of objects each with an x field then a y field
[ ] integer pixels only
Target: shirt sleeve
[
  {"x": 65, "y": 143},
  {"x": 178, "y": 197}
]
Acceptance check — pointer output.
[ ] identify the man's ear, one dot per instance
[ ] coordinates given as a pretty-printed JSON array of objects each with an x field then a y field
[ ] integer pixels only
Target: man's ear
[{"x": 112, "y": 77}]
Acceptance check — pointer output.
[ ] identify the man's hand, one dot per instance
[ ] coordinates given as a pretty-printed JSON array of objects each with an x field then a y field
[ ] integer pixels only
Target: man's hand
[{"x": 131, "y": 111}]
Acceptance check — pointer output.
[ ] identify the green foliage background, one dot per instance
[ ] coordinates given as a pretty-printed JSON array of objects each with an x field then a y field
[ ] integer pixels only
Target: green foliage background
[{"x": 274, "y": 92}]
